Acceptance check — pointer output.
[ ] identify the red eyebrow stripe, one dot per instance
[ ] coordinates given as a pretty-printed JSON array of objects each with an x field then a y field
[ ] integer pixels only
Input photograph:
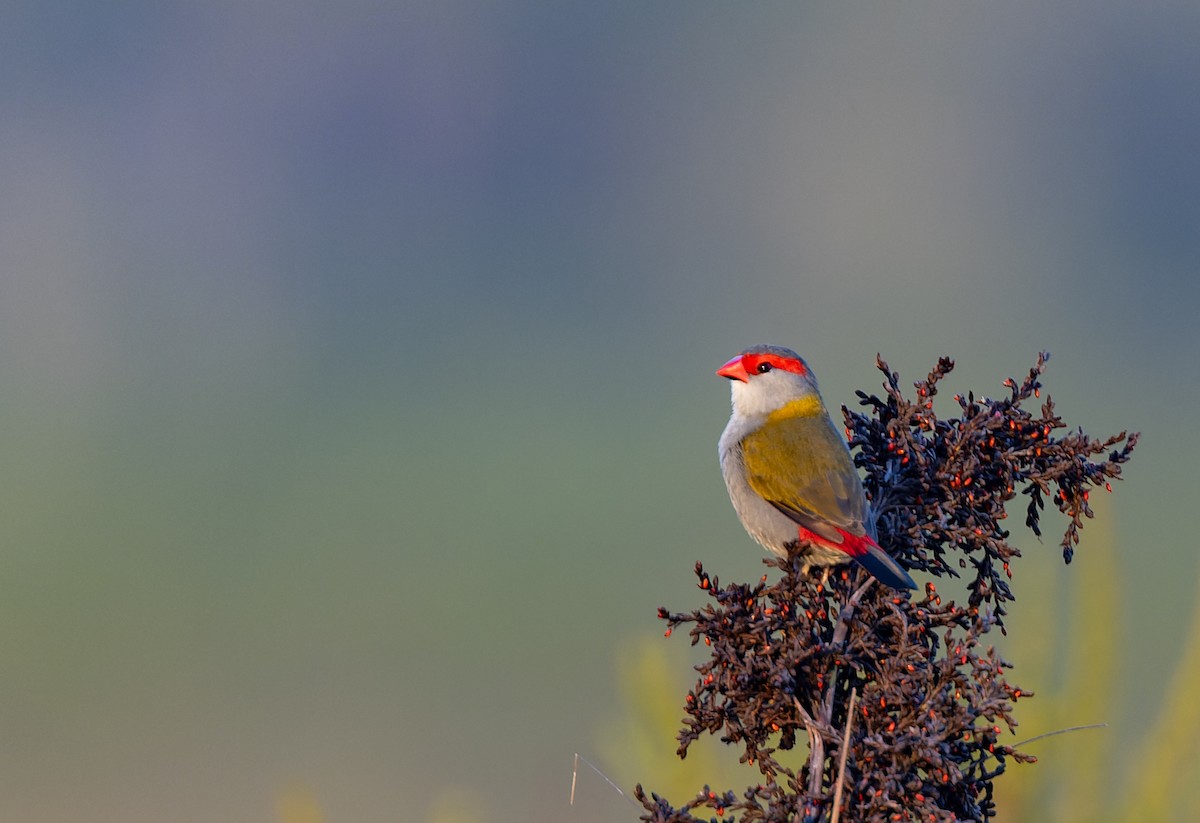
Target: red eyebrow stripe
[{"x": 750, "y": 363}]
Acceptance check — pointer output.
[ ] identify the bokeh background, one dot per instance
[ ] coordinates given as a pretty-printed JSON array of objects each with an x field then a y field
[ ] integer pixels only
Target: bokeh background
[{"x": 356, "y": 363}]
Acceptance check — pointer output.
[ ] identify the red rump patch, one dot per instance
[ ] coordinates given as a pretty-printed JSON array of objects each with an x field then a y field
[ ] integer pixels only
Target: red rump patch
[
  {"x": 855, "y": 545},
  {"x": 750, "y": 362},
  {"x": 866, "y": 553}
]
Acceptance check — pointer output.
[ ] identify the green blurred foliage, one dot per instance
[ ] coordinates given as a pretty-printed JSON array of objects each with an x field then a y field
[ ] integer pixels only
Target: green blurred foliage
[
  {"x": 1077, "y": 649},
  {"x": 640, "y": 743}
]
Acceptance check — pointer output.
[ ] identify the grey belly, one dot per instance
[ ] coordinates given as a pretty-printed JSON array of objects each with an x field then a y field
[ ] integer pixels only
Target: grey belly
[{"x": 774, "y": 530}]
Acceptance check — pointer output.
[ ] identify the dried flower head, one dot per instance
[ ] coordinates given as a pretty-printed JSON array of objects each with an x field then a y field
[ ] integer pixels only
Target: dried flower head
[{"x": 900, "y": 689}]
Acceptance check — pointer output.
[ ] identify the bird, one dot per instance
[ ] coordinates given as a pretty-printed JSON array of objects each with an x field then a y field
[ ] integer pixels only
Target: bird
[{"x": 789, "y": 472}]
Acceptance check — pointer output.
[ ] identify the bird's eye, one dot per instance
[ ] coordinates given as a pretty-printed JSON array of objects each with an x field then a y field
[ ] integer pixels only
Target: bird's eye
[{"x": 763, "y": 368}]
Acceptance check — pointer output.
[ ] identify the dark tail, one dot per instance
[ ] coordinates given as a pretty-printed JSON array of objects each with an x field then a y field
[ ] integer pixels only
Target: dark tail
[{"x": 883, "y": 568}]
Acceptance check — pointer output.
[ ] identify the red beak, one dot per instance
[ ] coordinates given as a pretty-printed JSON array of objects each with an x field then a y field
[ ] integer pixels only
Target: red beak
[{"x": 734, "y": 370}]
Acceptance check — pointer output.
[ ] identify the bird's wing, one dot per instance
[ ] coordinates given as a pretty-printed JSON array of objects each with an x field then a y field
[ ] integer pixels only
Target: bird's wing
[{"x": 802, "y": 467}]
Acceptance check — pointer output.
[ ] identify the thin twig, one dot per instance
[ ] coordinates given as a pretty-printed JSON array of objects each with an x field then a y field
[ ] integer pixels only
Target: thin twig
[
  {"x": 1062, "y": 731},
  {"x": 574, "y": 774},
  {"x": 1049, "y": 734},
  {"x": 847, "y": 613},
  {"x": 810, "y": 722},
  {"x": 841, "y": 778},
  {"x": 590, "y": 765}
]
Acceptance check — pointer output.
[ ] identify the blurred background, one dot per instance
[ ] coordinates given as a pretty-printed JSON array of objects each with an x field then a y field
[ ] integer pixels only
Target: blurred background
[{"x": 356, "y": 369}]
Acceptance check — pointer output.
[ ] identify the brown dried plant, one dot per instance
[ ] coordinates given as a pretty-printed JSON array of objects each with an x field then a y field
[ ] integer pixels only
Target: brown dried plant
[{"x": 932, "y": 697}]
